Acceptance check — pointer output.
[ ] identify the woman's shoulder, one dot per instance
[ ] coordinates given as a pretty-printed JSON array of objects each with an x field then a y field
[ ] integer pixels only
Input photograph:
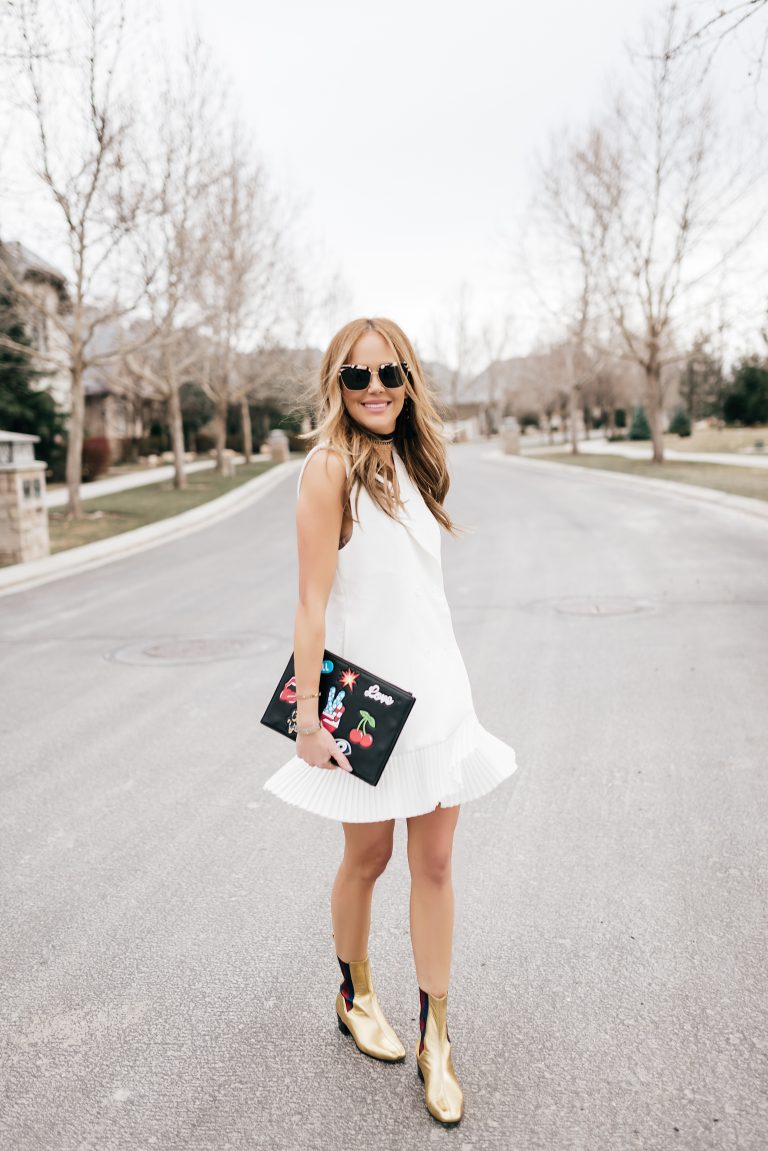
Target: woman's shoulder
[{"x": 330, "y": 459}]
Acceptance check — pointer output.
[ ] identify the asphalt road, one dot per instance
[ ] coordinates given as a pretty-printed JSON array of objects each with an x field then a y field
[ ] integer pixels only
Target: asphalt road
[{"x": 168, "y": 973}]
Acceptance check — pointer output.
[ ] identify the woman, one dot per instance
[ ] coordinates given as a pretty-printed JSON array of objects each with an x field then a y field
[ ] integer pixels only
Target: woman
[{"x": 369, "y": 514}]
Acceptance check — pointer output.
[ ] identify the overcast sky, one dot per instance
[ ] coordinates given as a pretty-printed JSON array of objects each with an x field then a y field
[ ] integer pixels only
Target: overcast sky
[{"x": 408, "y": 130}]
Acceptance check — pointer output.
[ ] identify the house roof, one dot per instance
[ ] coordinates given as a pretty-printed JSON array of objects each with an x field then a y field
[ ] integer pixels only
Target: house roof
[
  {"x": 27, "y": 263},
  {"x": 18, "y": 437}
]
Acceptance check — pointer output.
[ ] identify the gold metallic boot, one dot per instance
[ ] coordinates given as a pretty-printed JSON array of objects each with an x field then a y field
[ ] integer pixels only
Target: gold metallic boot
[
  {"x": 360, "y": 1014},
  {"x": 443, "y": 1094}
]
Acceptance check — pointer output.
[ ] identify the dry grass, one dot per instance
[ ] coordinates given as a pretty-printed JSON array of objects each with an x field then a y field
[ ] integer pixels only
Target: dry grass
[
  {"x": 738, "y": 481},
  {"x": 123, "y": 511},
  {"x": 718, "y": 440}
]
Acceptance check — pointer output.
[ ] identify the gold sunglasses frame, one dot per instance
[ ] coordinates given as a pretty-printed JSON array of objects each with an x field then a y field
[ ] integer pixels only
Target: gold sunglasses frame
[{"x": 403, "y": 364}]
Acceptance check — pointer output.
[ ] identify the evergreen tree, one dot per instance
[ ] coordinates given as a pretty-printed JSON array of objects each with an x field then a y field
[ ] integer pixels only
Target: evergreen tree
[
  {"x": 747, "y": 399},
  {"x": 640, "y": 429},
  {"x": 23, "y": 407},
  {"x": 681, "y": 424}
]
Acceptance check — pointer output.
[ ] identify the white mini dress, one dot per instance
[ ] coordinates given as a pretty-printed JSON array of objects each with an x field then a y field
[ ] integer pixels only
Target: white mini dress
[{"x": 387, "y": 611}]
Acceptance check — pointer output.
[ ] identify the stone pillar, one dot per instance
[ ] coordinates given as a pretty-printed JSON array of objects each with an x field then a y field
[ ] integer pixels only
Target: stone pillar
[
  {"x": 278, "y": 446},
  {"x": 23, "y": 514},
  {"x": 510, "y": 436}
]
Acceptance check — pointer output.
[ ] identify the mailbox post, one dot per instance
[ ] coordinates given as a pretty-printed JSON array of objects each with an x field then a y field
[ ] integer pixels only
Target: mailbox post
[{"x": 23, "y": 514}]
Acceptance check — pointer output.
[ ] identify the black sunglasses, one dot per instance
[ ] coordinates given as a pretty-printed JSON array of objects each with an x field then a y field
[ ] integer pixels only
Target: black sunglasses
[{"x": 357, "y": 377}]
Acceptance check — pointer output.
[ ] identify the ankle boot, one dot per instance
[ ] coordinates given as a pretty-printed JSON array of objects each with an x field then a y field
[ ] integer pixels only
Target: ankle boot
[
  {"x": 360, "y": 1014},
  {"x": 442, "y": 1091}
]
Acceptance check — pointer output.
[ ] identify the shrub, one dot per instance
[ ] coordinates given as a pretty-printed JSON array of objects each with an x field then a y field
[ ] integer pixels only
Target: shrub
[
  {"x": 640, "y": 429},
  {"x": 681, "y": 425},
  {"x": 620, "y": 418},
  {"x": 747, "y": 399},
  {"x": 96, "y": 457},
  {"x": 127, "y": 450}
]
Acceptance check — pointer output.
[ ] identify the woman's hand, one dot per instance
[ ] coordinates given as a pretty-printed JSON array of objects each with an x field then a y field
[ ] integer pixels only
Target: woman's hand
[{"x": 317, "y": 749}]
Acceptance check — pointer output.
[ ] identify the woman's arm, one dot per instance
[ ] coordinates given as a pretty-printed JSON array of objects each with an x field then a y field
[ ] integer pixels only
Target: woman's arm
[{"x": 319, "y": 515}]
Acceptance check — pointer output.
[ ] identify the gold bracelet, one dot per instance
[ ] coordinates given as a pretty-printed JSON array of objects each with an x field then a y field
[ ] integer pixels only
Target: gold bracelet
[
  {"x": 309, "y": 695},
  {"x": 308, "y": 730}
]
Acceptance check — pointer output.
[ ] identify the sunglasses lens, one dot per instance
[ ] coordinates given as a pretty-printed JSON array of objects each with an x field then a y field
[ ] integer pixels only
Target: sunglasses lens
[
  {"x": 391, "y": 376},
  {"x": 356, "y": 379}
]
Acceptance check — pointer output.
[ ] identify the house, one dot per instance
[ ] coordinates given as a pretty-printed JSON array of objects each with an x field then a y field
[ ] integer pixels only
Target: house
[
  {"x": 114, "y": 405},
  {"x": 45, "y": 303}
]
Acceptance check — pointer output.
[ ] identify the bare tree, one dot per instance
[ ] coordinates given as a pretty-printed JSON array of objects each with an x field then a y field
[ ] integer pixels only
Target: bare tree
[
  {"x": 244, "y": 260},
  {"x": 455, "y": 342},
  {"x": 71, "y": 58},
  {"x": 494, "y": 339},
  {"x": 569, "y": 229},
  {"x": 609, "y": 389},
  {"x": 662, "y": 197},
  {"x": 709, "y": 34},
  {"x": 175, "y": 248}
]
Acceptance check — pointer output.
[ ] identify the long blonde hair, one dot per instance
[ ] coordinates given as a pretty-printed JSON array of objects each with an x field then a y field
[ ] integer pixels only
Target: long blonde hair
[{"x": 422, "y": 451}]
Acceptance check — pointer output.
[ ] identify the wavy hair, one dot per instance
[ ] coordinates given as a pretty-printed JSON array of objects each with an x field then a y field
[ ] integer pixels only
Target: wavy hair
[{"x": 419, "y": 436}]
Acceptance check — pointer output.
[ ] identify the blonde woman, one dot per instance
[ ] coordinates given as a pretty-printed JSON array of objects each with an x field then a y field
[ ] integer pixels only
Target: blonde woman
[{"x": 369, "y": 517}]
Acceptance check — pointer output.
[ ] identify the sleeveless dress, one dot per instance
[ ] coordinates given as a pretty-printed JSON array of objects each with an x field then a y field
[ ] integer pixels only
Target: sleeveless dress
[{"x": 388, "y": 612}]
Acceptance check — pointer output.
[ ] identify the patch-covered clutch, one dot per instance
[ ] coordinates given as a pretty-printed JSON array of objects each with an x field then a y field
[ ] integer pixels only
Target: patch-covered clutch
[{"x": 363, "y": 712}]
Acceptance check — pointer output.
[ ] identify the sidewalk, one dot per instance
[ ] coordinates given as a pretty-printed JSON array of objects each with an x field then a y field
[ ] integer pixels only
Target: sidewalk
[
  {"x": 642, "y": 451},
  {"x": 138, "y": 479}
]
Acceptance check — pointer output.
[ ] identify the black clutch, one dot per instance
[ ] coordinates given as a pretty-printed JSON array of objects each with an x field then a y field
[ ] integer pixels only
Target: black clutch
[{"x": 363, "y": 712}]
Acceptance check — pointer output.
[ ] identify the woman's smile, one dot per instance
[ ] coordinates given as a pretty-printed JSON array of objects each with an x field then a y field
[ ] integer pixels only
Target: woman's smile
[{"x": 377, "y": 405}]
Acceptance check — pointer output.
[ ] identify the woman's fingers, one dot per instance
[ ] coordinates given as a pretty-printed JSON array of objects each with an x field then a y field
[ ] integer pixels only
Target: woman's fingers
[
  {"x": 341, "y": 760},
  {"x": 324, "y": 745},
  {"x": 329, "y": 765},
  {"x": 333, "y": 766}
]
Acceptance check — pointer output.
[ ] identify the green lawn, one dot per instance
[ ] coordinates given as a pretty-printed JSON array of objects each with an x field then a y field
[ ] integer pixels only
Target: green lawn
[
  {"x": 123, "y": 511},
  {"x": 738, "y": 481}
]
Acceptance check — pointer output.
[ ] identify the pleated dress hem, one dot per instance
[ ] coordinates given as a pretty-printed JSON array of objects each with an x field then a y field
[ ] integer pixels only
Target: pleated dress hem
[{"x": 468, "y": 764}]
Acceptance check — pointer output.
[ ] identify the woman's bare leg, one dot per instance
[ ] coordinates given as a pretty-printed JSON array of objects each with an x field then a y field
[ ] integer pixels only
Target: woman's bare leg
[
  {"x": 367, "y": 850},
  {"x": 430, "y": 846}
]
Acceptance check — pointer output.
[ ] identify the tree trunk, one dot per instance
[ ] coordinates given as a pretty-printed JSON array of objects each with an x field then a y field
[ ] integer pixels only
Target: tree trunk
[
  {"x": 245, "y": 424},
  {"x": 573, "y": 411},
  {"x": 654, "y": 402},
  {"x": 75, "y": 439},
  {"x": 573, "y": 399},
  {"x": 177, "y": 437},
  {"x": 222, "y": 407}
]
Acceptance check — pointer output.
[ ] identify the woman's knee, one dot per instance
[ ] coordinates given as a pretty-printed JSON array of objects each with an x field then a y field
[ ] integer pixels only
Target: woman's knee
[
  {"x": 431, "y": 863},
  {"x": 368, "y": 861}
]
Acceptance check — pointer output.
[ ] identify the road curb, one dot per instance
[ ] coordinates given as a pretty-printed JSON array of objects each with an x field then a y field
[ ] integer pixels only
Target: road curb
[
  {"x": 20, "y": 577},
  {"x": 758, "y": 509}
]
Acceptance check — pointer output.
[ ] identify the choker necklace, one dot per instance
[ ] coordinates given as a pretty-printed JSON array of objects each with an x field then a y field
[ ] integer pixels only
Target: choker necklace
[{"x": 386, "y": 438}]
